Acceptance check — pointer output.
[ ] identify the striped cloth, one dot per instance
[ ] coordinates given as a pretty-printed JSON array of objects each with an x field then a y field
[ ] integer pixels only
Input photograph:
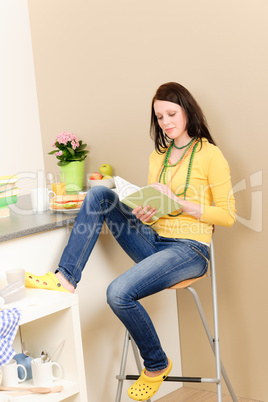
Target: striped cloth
[{"x": 9, "y": 324}]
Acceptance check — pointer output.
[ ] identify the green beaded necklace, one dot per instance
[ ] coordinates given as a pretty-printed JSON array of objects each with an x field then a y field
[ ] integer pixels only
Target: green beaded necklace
[
  {"x": 163, "y": 172},
  {"x": 165, "y": 163},
  {"x": 184, "y": 146}
]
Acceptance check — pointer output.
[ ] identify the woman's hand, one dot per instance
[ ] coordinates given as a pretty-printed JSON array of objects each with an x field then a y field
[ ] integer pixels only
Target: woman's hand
[
  {"x": 144, "y": 214},
  {"x": 188, "y": 207}
]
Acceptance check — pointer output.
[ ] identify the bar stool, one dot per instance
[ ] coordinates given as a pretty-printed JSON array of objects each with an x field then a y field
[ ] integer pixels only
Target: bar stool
[{"x": 214, "y": 341}]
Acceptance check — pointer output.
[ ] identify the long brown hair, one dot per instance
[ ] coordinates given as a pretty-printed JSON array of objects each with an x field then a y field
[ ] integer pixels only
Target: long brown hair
[{"x": 196, "y": 125}]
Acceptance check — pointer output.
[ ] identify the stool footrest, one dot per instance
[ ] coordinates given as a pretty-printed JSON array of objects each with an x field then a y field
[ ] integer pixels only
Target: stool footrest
[{"x": 169, "y": 378}]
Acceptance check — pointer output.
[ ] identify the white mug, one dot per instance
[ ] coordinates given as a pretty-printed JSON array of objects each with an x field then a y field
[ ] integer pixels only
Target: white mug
[
  {"x": 40, "y": 199},
  {"x": 14, "y": 275},
  {"x": 10, "y": 376},
  {"x": 42, "y": 372}
]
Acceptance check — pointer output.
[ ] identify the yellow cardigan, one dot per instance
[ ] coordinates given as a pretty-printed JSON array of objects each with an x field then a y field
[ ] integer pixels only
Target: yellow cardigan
[{"x": 210, "y": 185}]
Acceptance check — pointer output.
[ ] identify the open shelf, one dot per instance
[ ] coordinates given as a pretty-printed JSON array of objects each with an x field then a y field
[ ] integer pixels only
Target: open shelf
[
  {"x": 39, "y": 303},
  {"x": 70, "y": 389},
  {"x": 47, "y": 319}
]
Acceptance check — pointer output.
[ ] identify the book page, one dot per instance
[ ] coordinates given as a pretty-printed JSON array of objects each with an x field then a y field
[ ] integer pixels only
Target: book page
[
  {"x": 124, "y": 188},
  {"x": 134, "y": 196}
]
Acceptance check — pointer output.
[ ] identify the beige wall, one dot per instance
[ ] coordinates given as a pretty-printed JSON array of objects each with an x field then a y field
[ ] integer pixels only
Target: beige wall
[{"x": 97, "y": 66}]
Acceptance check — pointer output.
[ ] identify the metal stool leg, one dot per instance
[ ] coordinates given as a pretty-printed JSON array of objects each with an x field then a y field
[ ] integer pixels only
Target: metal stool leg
[
  {"x": 216, "y": 323},
  {"x": 219, "y": 366},
  {"x": 211, "y": 340},
  {"x": 121, "y": 377},
  {"x": 214, "y": 343},
  {"x": 122, "y": 368}
]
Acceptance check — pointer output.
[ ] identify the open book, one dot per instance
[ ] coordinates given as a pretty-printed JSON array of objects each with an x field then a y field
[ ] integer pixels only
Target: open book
[{"x": 134, "y": 196}]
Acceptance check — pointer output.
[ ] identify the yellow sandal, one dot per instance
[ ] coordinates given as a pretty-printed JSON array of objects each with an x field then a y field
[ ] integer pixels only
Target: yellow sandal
[
  {"x": 146, "y": 387},
  {"x": 48, "y": 281}
]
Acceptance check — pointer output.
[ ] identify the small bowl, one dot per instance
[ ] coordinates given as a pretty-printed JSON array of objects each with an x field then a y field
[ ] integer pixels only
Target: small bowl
[{"x": 104, "y": 182}]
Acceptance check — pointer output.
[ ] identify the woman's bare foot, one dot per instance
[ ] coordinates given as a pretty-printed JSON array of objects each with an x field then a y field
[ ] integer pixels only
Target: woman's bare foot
[
  {"x": 66, "y": 284},
  {"x": 156, "y": 373}
]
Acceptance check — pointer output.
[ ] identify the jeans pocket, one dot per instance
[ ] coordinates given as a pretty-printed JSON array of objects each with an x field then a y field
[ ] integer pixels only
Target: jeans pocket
[{"x": 200, "y": 253}]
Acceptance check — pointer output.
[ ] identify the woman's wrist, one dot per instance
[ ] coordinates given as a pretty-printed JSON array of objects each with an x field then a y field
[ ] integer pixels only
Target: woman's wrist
[{"x": 191, "y": 208}]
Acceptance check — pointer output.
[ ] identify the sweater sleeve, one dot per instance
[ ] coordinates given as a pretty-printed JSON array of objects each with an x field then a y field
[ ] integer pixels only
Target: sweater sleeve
[{"x": 223, "y": 211}]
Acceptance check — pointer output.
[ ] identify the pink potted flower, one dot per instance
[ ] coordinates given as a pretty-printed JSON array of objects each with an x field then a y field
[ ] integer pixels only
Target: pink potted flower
[
  {"x": 71, "y": 154},
  {"x": 69, "y": 149}
]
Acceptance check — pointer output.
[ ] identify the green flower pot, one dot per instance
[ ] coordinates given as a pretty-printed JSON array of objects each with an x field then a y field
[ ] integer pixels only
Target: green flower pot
[{"x": 74, "y": 176}]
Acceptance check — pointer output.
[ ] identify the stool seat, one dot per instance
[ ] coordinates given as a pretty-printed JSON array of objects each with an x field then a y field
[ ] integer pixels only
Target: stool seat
[{"x": 187, "y": 282}]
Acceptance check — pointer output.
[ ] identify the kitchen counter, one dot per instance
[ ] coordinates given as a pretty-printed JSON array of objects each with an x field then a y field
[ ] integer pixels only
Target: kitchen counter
[{"x": 23, "y": 221}]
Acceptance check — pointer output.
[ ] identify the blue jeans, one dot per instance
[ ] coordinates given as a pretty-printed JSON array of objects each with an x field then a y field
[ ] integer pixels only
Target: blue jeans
[{"x": 159, "y": 263}]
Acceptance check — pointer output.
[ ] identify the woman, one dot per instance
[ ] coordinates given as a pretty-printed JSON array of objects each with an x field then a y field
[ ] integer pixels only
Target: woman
[{"x": 188, "y": 166}]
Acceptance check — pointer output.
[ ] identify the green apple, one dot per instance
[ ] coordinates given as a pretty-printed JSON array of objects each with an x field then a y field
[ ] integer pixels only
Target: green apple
[
  {"x": 106, "y": 170},
  {"x": 107, "y": 177}
]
